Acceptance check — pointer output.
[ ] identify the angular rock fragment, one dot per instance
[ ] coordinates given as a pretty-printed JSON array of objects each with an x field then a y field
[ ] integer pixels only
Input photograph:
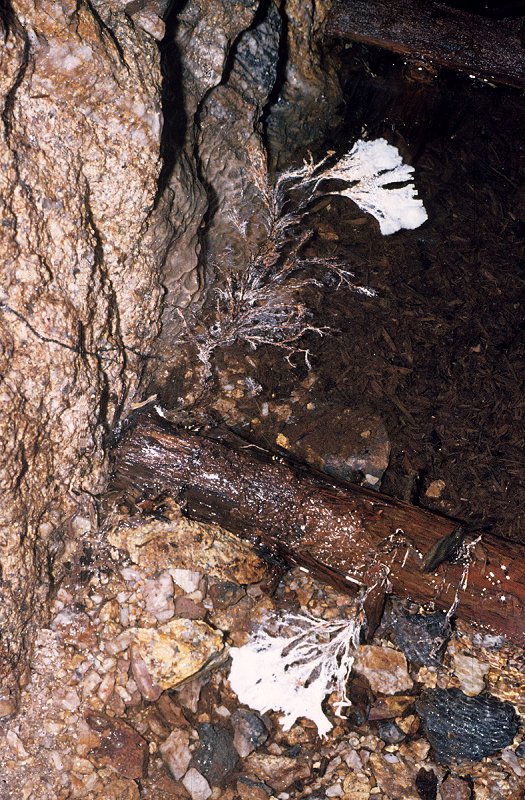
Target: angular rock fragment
[
  {"x": 470, "y": 672},
  {"x": 390, "y": 707},
  {"x": 176, "y": 753},
  {"x": 216, "y": 757},
  {"x": 177, "y": 650},
  {"x": 389, "y": 732},
  {"x": 279, "y": 772},
  {"x": 189, "y": 546},
  {"x": 384, "y": 668},
  {"x": 462, "y": 728},
  {"x": 454, "y": 788},
  {"x": 427, "y": 784},
  {"x": 197, "y": 785},
  {"x": 252, "y": 789},
  {"x": 250, "y": 732},
  {"x": 120, "y": 747},
  {"x": 421, "y": 637},
  {"x": 395, "y": 775}
]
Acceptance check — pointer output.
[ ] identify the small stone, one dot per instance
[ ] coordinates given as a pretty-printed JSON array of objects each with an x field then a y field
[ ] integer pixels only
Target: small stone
[
  {"x": 252, "y": 789},
  {"x": 409, "y": 725},
  {"x": 384, "y": 668},
  {"x": 197, "y": 785},
  {"x": 151, "y": 23},
  {"x": 462, "y": 728},
  {"x": 454, "y": 788},
  {"x": 435, "y": 489},
  {"x": 356, "y": 786},
  {"x": 225, "y": 593},
  {"x": 170, "y": 711},
  {"x": 175, "y": 651},
  {"x": 335, "y": 790},
  {"x": 395, "y": 775},
  {"x": 187, "y": 579},
  {"x": 120, "y": 746},
  {"x": 250, "y": 732},
  {"x": 188, "y": 609},
  {"x": 7, "y": 705},
  {"x": 427, "y": 784},
  {"x": 389, "y": 732},
  {"x": 510, "y": 758},
  {"x": 279, "y": 772},
  {"x": 158, "y": 595},
  {"x": 149, "y": 690},
  {"x": 216, "y": 757},
  {"x": 176, "y": 754},
  {"x": 470, "y": 672},
  {"x": 520, "y": 750},
  {"x": 421, "y": 637},
  {"x": 16, "y": 745},
  {"x": 390, "y": 707},
  {"x": 75, "y": 628},
  {"x": 189, "y": 695}
]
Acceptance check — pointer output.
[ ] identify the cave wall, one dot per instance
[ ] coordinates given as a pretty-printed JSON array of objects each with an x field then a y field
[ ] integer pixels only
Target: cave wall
[
  {"x": 79, "y": 294},
  {"x": 257, "y": 90},
  {"x": 128, "y": 171}
]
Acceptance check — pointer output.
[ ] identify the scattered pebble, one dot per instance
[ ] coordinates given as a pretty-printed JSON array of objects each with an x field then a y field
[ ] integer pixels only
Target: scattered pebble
[
  {"x": 250, "y": 732},
  {"x": 197, "y": 785},
  {"x": 176, "y": 753}
]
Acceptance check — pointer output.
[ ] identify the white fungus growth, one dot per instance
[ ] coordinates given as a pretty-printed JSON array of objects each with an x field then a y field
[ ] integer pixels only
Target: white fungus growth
[
  {"x": 295, "y": 666},
  {"x": 380, "y": 184}
]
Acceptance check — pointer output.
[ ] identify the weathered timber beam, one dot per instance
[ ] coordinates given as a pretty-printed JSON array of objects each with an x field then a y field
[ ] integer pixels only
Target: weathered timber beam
[
  {"x": 435, "y": 33},
  {"x": 348, "y": 535}
]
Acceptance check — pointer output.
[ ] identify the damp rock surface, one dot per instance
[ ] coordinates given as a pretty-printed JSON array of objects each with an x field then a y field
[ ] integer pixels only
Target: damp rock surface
[
  {"x": 462, "y": 728},
  {"x": 421, "y": 637}
]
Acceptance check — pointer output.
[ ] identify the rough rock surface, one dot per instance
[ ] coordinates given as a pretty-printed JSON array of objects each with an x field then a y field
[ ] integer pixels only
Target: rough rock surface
[
  {"x": 79, "y": 297},
  {"x": 462, "y": 728}
]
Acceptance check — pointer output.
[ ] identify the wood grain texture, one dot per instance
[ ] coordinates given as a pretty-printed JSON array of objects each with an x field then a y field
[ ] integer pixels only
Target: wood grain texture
[
  {"x": 435, "y": 33},
  {"x": 350, "y": 536}
]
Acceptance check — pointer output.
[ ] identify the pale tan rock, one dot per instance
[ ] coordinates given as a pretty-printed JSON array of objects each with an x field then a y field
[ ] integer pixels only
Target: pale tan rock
[
  {"x": 189, "y": 546},
  {"x": 356, "y": 786},
  {"x": 177, "y": 650},
  {"x": 470, "y": 672},
  {"x": 197, "y": 785},
  {"x": 277, "y": 771},
  {"x": 435, "y": 489},
  {"x": 176, "y": 753},
  {"x": 384, "y": 668},
  {"x": 395, "y": 775}
]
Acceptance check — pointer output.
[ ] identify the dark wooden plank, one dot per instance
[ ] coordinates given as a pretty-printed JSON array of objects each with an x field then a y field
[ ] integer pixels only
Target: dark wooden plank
[
  {"x": 436, "y": 34},
  {"x": 350, "y": 536}
]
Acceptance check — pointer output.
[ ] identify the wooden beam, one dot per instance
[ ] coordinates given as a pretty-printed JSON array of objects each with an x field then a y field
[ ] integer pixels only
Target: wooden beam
[
  {"x": 435, "y": 33},
  {"x": 350, "y": 536}
]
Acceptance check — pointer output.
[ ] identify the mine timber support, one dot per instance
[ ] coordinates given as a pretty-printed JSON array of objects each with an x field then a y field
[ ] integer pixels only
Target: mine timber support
[{"x": 351, "y": 537}]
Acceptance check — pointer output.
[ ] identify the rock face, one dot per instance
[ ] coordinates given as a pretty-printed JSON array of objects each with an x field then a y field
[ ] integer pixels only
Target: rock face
[
  {"x": 114, "y": 177},
  {"x": 80, "y": 294}
]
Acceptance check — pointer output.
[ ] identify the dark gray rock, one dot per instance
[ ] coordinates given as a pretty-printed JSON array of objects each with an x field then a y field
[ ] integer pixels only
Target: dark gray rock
[
  {"x": 426, "y": 784},
  {"x": 216, "y": 757},
  {"x": 389, "y": 732},
  {"x": 250, "y": 732},
  {"x": 422, "y": 638},
  {"x": 462, "y": 728}
]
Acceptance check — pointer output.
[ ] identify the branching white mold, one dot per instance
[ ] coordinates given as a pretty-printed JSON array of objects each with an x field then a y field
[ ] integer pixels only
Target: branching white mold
[{"x": 292, "y": 663}]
